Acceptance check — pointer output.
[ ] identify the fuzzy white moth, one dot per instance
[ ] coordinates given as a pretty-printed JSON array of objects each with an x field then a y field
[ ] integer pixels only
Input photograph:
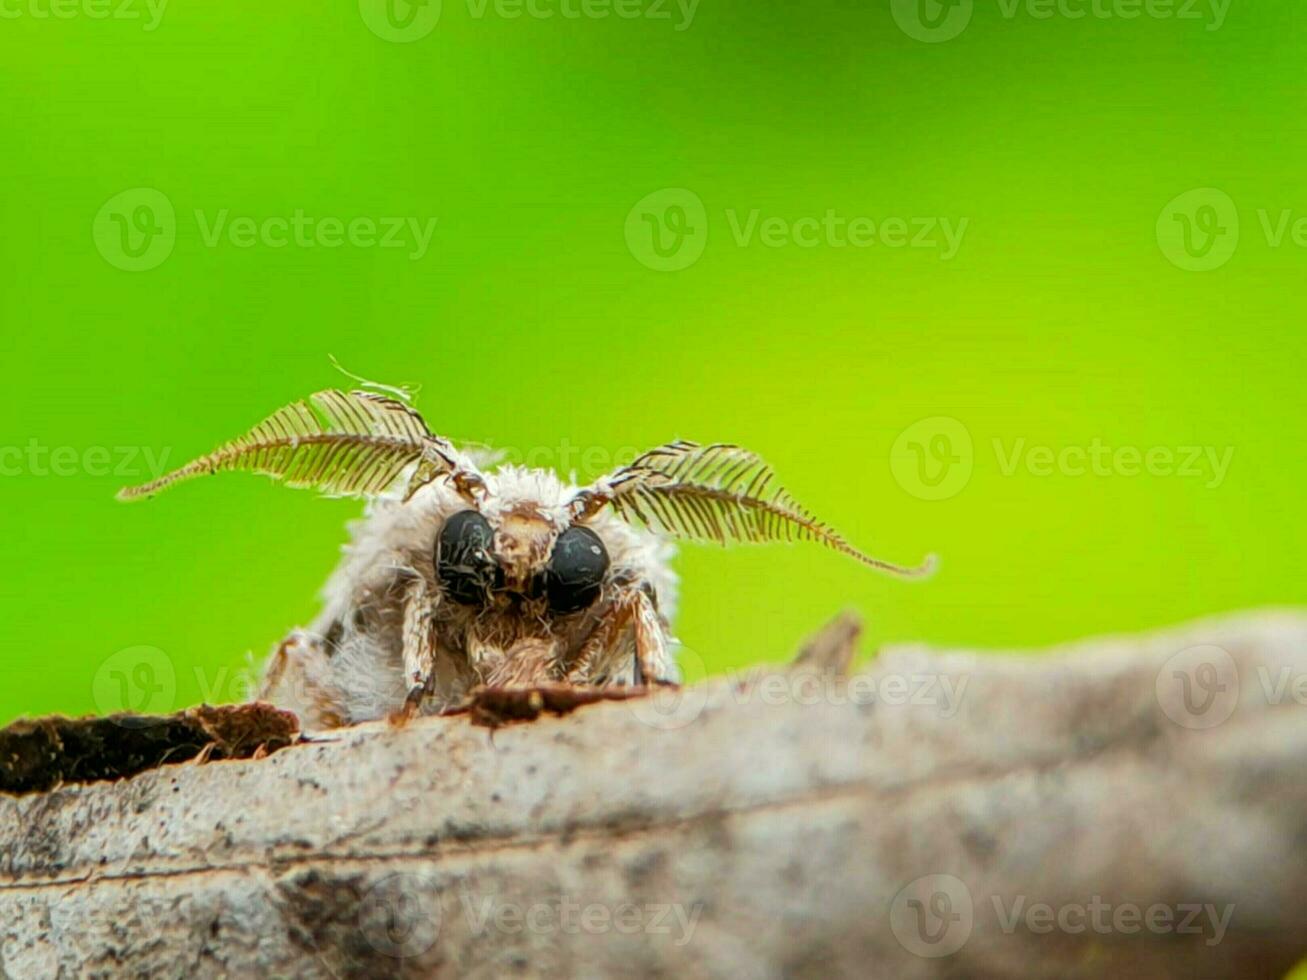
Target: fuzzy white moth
[{"x": 459, "y": 583}]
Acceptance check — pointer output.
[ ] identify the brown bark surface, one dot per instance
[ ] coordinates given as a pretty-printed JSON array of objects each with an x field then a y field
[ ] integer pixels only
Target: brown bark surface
[{"x": 914, "y": 822}]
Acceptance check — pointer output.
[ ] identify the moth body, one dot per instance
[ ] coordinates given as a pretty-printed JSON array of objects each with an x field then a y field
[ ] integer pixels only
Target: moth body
[
  {"x": 461, "y": 583},
  {"x": 348, "y": 665}
]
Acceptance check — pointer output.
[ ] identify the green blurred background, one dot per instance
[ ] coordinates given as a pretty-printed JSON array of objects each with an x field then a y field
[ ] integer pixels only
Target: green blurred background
[{"x": 545, "y": 316}]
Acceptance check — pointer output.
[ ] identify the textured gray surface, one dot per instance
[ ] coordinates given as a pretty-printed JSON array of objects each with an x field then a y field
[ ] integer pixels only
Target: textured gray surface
[{"x": 739, "y": 832}]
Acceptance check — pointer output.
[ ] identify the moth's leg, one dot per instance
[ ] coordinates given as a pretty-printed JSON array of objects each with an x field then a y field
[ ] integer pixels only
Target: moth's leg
[
  {"x": 630, "y": 626},
  {"x": 419, "y": 649},
  {"x": 299, "y": 678}
]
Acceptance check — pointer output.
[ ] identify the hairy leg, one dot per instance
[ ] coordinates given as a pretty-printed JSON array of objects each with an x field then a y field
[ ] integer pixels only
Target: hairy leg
[
  {"x": 418, "y": 650},
  {"x": 299, "y": 678},
  {"x": 630, "y": 627}
]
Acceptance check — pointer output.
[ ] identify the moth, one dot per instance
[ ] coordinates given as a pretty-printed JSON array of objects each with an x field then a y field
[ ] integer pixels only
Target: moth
[{"x": 463, "y": 579}]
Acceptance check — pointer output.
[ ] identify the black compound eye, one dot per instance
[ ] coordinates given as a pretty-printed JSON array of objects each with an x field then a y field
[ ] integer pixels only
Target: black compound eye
[
  {"x": 465, "y": 561},
  {"x": 576, "y": 570}
]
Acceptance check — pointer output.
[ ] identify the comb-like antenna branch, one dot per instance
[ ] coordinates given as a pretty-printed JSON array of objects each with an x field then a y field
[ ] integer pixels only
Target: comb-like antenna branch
[
  {"x": 720, "y": 493},
  {"x": 347, "y": 443}
]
